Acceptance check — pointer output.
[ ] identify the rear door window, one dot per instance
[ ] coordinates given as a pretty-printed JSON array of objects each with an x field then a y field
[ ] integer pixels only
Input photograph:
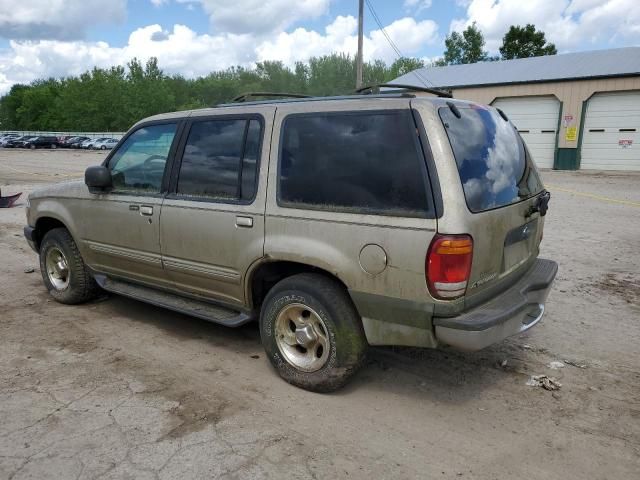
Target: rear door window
[
  {"x": 494, "y": 163},
  {"x": 360, "y": 162},
  {"x": 220, "y": 160}
]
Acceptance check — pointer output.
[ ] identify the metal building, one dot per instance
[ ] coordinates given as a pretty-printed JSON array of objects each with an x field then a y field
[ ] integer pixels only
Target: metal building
[{"x": 574, "y": 111}]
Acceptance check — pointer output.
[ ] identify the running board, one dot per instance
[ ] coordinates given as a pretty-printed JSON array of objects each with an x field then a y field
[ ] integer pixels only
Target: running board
[{"x": 177, "y": 303}]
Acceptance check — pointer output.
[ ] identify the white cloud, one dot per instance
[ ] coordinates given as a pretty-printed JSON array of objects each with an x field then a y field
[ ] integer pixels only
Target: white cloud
[
  {"x": 259, "y": 16},
  {"x": 181, "y": 50},
  {"x": 56, "y": 19},
  {"x": 340, "y": 36},
  {"x": 567, "y": 23},
  {"x": 178, "y": 51},
  {"x": 417, "y": 5}
]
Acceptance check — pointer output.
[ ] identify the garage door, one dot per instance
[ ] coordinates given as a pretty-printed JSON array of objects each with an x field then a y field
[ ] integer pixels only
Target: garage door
[
  {"x": 610, "y": 136},
  {"x": 537, "y": 121}
]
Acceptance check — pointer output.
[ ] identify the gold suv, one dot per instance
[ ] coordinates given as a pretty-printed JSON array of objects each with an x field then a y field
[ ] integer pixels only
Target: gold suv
[{"x": 337, "y": 223}]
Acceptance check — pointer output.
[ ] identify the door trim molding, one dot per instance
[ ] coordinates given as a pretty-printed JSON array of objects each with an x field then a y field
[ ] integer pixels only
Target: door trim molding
[
  {"x": 122, "y": 252},
  {"x": 222, "y": 274}
]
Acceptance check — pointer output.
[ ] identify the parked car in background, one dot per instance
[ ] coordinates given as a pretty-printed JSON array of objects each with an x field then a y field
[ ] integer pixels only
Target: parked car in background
[
  {"x": 42, "y": 141},
  {"x": 86, "y": 144},
  {"x": 106, "y": 144},
  {"x": 65, "y": 142},
  {"x": 64, "y": 138},
  {"x": 5, "y": 138},
  {"x": 19, "y": 142},
  {"x": 76, "y": 142}
]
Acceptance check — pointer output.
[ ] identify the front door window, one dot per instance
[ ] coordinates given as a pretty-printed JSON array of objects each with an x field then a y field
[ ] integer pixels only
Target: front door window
[{"x": 138, "y": 165}]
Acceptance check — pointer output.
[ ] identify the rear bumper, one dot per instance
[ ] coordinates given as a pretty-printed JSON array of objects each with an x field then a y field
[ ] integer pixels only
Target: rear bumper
[{"x": 514, "y": 311}]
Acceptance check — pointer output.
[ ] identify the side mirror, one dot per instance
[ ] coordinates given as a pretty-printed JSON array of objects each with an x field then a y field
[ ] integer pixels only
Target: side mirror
[{"x": 98, "y": 179}]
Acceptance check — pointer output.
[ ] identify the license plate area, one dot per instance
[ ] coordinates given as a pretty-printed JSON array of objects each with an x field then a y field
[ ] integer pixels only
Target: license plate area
[{"x": 519, "y": 245}]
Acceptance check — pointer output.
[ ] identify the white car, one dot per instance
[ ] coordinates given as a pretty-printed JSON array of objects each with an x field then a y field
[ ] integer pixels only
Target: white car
[
  {"x": 87, "y": 144},
  {"x": 104, "y": 144},
  {"x": 5, "y": 138}
]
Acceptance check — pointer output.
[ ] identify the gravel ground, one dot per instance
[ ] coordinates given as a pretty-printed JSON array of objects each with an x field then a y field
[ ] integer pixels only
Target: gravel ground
[{"x": 120, "y": 389}]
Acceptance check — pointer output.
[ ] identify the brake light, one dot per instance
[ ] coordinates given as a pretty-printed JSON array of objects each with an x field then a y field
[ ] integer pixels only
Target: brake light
[{"x": 448, "y": 265}]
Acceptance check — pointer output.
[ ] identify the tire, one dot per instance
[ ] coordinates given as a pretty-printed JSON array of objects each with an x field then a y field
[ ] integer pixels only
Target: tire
[
  {"x": 53, "y": 146},
  {"x": 103, "y": 147},
  {"x": 77, "y": 286},
  {"x": 32, "y": 147},
  {"x": 332, "y": 313}
]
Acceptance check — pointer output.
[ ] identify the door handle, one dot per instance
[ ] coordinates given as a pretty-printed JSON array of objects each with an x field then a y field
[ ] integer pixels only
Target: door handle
[
  {"x": 246, "y": 222},
  {"x": 146, "y": 210}
]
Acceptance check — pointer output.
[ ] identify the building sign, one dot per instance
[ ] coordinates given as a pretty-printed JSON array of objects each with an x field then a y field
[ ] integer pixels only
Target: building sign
[
  {"x": 568, "y": 120},
  {"x": 571, "y": 135},
  {"x": 625, "y": 143}
]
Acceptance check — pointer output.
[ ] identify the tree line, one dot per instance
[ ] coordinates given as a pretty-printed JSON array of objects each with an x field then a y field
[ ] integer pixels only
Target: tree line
[{"x": 112, "y": 99}]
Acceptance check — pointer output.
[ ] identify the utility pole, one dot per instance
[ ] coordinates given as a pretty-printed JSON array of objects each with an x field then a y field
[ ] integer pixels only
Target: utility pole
[{"x": 360, "y": 33}]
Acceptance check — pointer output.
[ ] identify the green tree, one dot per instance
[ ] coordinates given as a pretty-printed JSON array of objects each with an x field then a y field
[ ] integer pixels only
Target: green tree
[
  {"x": 465, "y": 47},
  {"x": 112, "y": 99},
  {"x": 38, "y": 107},
  {"x": 331, "y": 74},
  {"x": 523, "y": 42},
  {"x": 147, "y": 91},
  {"x": 402, "y": 66},
  {"x": 9, "y": 105}
]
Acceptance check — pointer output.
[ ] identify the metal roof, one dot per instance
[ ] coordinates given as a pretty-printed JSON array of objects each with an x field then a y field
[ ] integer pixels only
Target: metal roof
[{"x": 569, "y": 66}]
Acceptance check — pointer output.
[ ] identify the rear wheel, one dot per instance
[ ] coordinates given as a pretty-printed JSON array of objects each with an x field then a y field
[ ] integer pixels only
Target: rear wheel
[
  {"x": 312, "y": 333},
  {"x": 64, "y": 272}
]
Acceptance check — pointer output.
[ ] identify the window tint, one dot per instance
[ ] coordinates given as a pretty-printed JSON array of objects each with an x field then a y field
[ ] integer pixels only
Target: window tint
[
  {"x": 138, "y": 165},
  {"x": 220, "y": 160},
  {"x": 364, "y": 162},
  {"x": 494, "y": 164}
]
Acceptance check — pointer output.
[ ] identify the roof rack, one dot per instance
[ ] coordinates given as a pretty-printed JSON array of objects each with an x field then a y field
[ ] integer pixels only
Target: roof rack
[
  {"x": 245, "y": 96},
  {"x": 368, "y": 90}
]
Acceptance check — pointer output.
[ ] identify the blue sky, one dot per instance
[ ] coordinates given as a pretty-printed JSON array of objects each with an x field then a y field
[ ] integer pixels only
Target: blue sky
[
  {"x": 140, "y": 14},
  {"x": 41, "y": 38}
]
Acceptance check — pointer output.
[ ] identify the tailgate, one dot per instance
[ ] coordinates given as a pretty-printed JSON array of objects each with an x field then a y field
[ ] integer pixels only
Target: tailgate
[
  {"x": 505, "y": 244},
  {"x": 504, "y": 200}
]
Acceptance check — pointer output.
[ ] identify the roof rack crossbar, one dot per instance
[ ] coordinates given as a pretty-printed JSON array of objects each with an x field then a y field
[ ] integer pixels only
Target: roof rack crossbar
[
  {"x": 245, "y": 96},
  {"x": 376, "y": 89}
]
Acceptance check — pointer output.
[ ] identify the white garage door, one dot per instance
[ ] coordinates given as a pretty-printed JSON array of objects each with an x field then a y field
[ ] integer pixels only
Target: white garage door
[
  {"x": 611, "y": 126},
  {"x": 537, "y": 121}
]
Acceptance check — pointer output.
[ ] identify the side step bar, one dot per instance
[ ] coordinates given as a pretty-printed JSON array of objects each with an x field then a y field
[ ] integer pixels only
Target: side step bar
[{"x": 195, "y": 308}]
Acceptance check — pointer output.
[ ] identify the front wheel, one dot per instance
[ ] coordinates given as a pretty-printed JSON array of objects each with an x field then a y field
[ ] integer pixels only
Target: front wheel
[
  {"x": 312, "y": 332},
  {"x": 63, "y": 270}
]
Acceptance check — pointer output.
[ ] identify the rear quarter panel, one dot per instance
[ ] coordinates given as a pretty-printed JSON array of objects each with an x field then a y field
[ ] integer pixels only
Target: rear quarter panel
[{"x": 333, "y": 240}]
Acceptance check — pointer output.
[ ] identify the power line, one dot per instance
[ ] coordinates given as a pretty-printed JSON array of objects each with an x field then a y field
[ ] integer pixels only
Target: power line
[{"x": 395, "y": 48}]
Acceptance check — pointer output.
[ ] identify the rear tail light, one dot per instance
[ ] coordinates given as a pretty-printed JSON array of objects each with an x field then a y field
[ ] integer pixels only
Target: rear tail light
[{"x": 448, "y": 265}]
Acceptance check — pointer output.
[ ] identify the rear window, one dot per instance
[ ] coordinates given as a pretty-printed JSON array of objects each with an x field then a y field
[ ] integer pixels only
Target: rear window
[
  {"x": 494, "y": 164},
  {"x": 360, "y": 162}
]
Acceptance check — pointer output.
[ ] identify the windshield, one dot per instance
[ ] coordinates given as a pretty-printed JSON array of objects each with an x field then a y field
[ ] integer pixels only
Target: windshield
[{"x": 494, "y": 164}]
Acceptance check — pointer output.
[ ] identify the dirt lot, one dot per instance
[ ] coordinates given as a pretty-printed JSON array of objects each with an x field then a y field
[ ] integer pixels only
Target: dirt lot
[{"x": 120, "y": 389}]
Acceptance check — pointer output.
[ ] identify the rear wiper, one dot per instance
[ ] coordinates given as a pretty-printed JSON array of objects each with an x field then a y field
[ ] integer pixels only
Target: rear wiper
[{"x": 541, "y": 205}]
